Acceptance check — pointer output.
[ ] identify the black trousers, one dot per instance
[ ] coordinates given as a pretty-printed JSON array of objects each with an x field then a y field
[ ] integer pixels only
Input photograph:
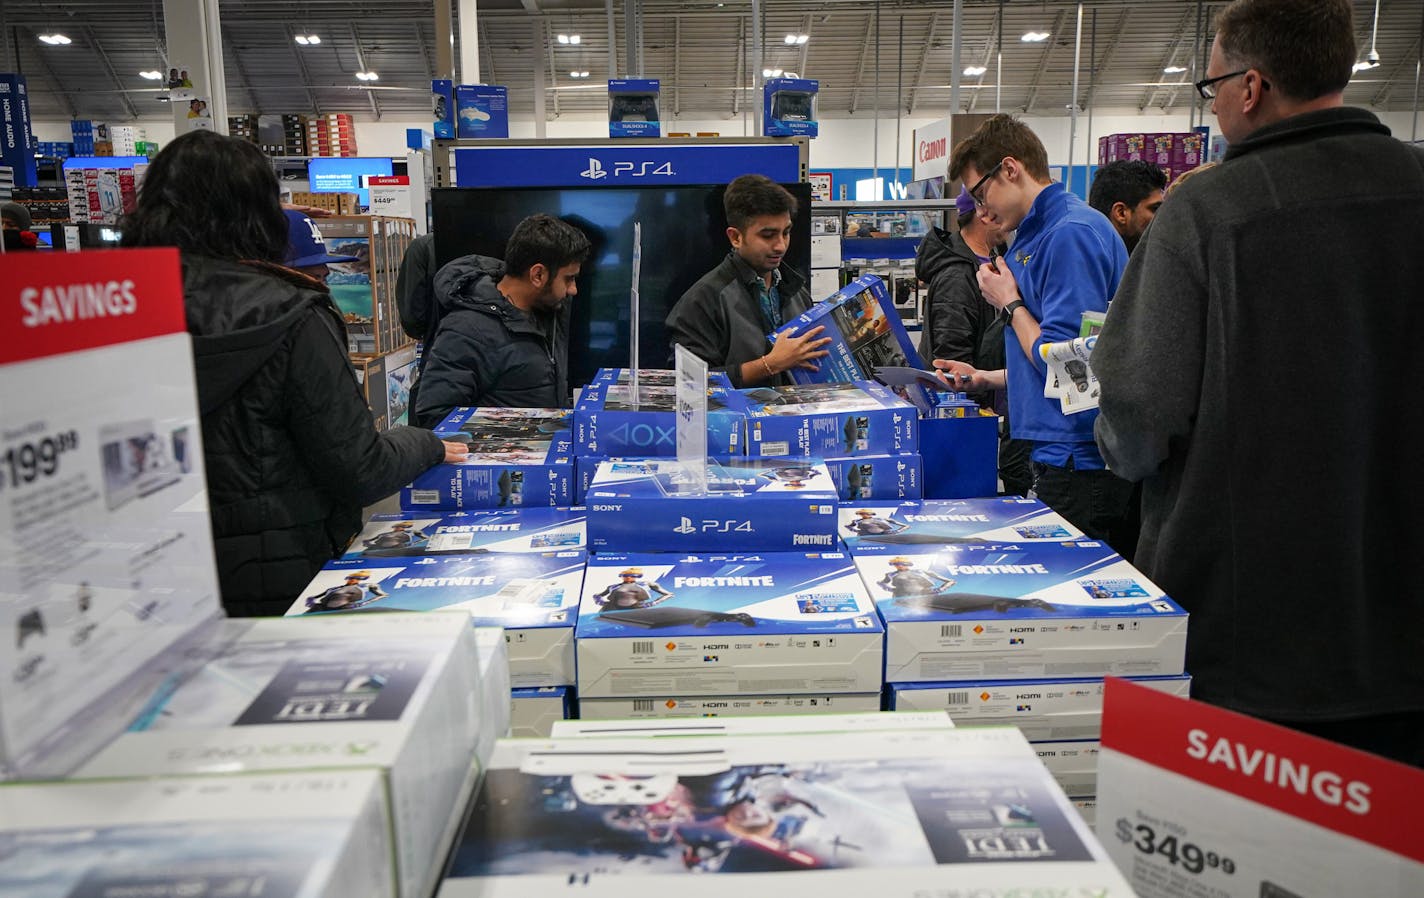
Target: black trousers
[{"x": 1099, "y": 503}]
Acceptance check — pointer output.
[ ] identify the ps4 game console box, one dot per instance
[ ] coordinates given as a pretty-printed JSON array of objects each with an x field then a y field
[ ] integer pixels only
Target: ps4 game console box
[
  {"x": 608, "y": 423},
  {"x": 661, "y": 377},
  {"x": 1020, "y": 610},
  {"x": 866, "y": 333},
  {"x": 750, "y": 504},
  {"x": 1073, "y": 764},
  {"x": 781, "y": 722},
  {"x": 938, "y": 522},
  {"x": 533, "y": 596},
  {"x": 518, "y": 457},
  {"x": 285, "y": 693},
  {"x": 701, "y": 707},
  {"x": 1049, "y": 709},
  {"x": 914, "y": 812},
  {"x": 722, "y": 623},
  {"x": 535, "y": 709},
  {"x": 836, "y": 419},
  {"x": 410, "y": 535},
  {"x": 314, "y": 834},
  {"x": 876, "y": 476}
]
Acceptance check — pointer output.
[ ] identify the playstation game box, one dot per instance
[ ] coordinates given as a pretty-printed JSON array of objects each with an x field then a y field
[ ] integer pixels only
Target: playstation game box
[
  {"x": 607, "y": 422},
  {"x": 1020, "y": 610},
  {"x": 518, "y": 457},
  {"x": 721, "y": 623},
  {"x": 835, "y": 419},
  {"x": 412, "y": 535},
  {"x": 876, "y": 477},
  {"x": 750, "y": 504},
  {"x": 699, "y": 708},
  {"x": 939, "y": 522},
  {"x": 534, "y": 597}
]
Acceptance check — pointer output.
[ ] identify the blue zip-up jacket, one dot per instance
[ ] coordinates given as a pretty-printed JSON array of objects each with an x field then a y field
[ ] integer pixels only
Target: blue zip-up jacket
[{"x": 1067, "y": 259}]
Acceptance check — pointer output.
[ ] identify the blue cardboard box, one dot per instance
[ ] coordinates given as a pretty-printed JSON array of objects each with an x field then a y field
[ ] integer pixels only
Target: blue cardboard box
[
  {"x": 789, "y": 107},
  {"x": 662, "y": 377},
  {"x": 936, "y": 522},
  {"x": 17, "y": 148},
  {"x": 518, "y": 457},
  {"x": 442, "y": 107},
  {"x": 1016, "y": 610},
  {"x": 533, "y": 596},
  {"x": 607, "y": 424},
  {"x": 876, "y": 476},
  {"x": 832, "y": 419},
  {"x": 633, "y": 108},
  {"x": 751, "y": 504},
  {"x": 726, "y": 623},
  {"x": 481, "y": 110},
  {"x": 470, "y": 533}
]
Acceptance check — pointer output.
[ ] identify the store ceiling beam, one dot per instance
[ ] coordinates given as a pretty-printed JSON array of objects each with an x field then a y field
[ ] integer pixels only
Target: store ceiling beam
[
  {"x": 487, "y": 54},
  {"x": 548, "y": 38},
  {"x": 1202, "y": 47},
  {"x": 1405, "y": 62},
  {"x": 424, "y": 55},
  {"x": 1048, "y": 46},
  {"x": 109, "y": 67},
  {"x": 924, "y": 62},
  {"x": 246, "y": 85},
  {"x": 1170, "y": 59},
  {"x": 52, "y": 84},
  {"x": 741, "y": 64},
  {"x": 361, "y": 62},
  {"x": 806, "y": 47},
  {"x": 989, "y": 46},
  {"x": 1105, "y": 59},
  {"x": 302, "y": 67},
  {"x": 860, "y": 69},
  {"x": 677, "y": 67}
]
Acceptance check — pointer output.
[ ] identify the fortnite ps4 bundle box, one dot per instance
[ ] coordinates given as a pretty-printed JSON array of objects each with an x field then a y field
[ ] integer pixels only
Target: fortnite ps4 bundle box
[
  {"x": 481, "y": 110},
  {"x": 718, "y": 624},
  {"x": 1041, "y": 709},
  {"x": 1073, "y": 764},
  {"x": 534, "y": 710},
  {"x": 633, "y": 108},
  {"x": 533, "y": 596},
  {"x": 394, "y": 692},
  {"x": 315, "y": 834},
  {"x": 789, "y": 107},
  {"x": 936, "y": 522},
  {"x": 876, "y": 476},
  {"x": 932, "y": 812},
  {"x": 408, "y": 535},
  {"x": 749, "y": 504},
  {"x": 836, "y": 419},
  {"x": 442, "y": 107},
  {"x": 796, "y": 721},
  {"x": 866, "y": 333},
  {"x": 518, "y": 457},
  {"x": 659, "y": 377},
  {"x": 608, "y": 423},
  {"x": 1009, "y": 611},
  {"x": 699, "y": 707}
]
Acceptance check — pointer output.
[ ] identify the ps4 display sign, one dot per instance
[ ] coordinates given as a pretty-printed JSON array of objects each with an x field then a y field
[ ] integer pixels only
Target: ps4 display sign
[{"x": 602, "y": 166}]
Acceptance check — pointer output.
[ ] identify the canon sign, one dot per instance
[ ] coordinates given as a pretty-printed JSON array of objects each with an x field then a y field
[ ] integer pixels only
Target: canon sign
[{"x": 930, "y": 150}]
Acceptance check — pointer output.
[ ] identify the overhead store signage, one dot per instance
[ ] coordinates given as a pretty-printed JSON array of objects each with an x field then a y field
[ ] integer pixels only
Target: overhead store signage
[
  {"x": 600, "y": 165},
  {"x": 1196, "y": 800}
]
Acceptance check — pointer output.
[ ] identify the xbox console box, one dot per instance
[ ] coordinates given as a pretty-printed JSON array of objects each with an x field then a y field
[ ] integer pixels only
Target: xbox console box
[
  {"x": 1020, "y": 610},
  {"x": 410, "y": 535},
  {"x": 536, "y": 709},
  {"x": 608, "y": 423},
  {"x": 314, "y": 834},
  {"x": 750, "y": 504},
  {"x": 518, "y": 457},
  {"x": 916, "y": 812},
  {"x": 680, "y": 707},
  {"x": 935, "y": 522},
  {"x": 534, "y": 597},
  {"x": 393, "y": 693},
  {"x": 835, "y": 419},
  {"x": 663, "y": 624}
]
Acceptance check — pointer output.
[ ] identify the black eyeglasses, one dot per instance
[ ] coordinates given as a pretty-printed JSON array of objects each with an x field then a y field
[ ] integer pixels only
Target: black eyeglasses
[
  {"x": 1207, "y": 86},
  {"x": 974, "y": 191}
]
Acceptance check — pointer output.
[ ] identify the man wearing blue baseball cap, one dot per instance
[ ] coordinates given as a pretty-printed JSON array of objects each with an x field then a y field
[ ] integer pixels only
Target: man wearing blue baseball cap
[{"x": 306, "y": 250}]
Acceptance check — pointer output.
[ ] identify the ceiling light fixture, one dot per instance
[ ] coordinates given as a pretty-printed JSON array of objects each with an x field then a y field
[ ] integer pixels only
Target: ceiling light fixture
[
  {"x": 307, "y": 39},
  {"x": 367, "y": 76},
  {"x": 574, "y": 39},
  {"x": 771, "y": 73},
  {"x": 1035, "y": 37},
  {"x": 797, "y": 39},
  {"x": 578, "y": 74},
  {"x": 1174, "y": 70},
  {"x": 55, "y": 40},
  {"x": 974, "y": 71},
  {"x": 1366, "y": 64},
  {"x": 150, "y": 75}
]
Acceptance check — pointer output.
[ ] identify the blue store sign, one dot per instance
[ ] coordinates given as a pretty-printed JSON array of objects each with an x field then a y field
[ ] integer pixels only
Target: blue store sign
[{"x": 604, "y": 166}]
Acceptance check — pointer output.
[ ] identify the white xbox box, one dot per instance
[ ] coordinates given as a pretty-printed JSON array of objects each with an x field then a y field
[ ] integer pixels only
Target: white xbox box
[
  {"x": 313, "y": 834},
  {"x": 394, "y": 692},
  {"x": 719, "y": 624},
  {"x": 838, "y": 720},
  {"x": 1018, "y": 611},
  {"x": 932, "y": 812},
  {"x": 664, "y": 708},
  {"x": 1043, "y": 710},
  {"x": 493, "y": 711},
  {"x": 1073, "y": 764},
  {"x": 537, "y": 710}
]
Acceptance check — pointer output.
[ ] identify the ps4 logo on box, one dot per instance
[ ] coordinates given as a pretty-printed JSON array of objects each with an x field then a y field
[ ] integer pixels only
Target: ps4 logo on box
[
  {"x": 596, "y": 171},
  {"x": 686, "y": 526}
]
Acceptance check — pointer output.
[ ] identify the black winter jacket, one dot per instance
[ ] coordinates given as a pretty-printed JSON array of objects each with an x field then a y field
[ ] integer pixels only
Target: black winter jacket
[
  {"x": 290, "y": 449},
  {"x": 958, "y": 323},
  {"x": 488, "y": 352},
  {"x": 415, "y": 290},
  {"x": 719, "y": 318}
]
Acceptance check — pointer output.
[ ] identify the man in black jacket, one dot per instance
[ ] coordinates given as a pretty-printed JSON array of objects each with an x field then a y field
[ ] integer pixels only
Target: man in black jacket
[
  {"x": 1255, "y": 370},
  {"x": 1128, "y": 193},
  {"x": 503, "y": 337},
  {"x": 724, "y": 318}
]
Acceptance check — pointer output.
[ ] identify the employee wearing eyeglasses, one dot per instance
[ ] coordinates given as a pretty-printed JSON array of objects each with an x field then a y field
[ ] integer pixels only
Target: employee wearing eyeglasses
[{"x": 1065, "y": 260}]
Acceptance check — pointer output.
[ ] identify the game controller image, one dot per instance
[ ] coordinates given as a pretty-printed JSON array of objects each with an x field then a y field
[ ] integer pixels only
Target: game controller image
[
  {"x": 657, "y": 618},
  {"x": 965, "y": 602},
  {"x": 606, "y": 788}
]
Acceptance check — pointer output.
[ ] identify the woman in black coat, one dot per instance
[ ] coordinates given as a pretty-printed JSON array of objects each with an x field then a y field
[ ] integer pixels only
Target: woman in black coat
[{"x": 291, "y": 451}]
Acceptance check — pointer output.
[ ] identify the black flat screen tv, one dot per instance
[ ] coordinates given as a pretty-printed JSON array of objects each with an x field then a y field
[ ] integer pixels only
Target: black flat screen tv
[{"x": 684, "y": 237}]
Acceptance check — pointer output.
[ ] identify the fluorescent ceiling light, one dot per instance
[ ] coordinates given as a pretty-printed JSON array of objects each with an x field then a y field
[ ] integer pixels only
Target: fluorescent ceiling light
[
  {"x": 1364, "y": 66},
  {"x": 974, "y": 71},
  {"x": 771, "y": 73},
  {"x": 150, "y": 75},
  {"x": 577, "y": 74},
  {"x": 570, "y": 39},
  {"x": 367, "y": 76},
  {"x": 1174, "y": 70},
  {"x": 55, "y": 40},
  {"x": 307, "y": 39},
  {"x": 797, "y": 39},
  {"x": 1035, "y": 37}
]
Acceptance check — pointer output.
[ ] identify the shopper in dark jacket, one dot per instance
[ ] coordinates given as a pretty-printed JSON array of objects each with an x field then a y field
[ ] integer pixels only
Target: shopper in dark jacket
[
  {"x": 503, "y": 338},
  {"x": 1256, "y": 369},
  {"x": 415, "y": 288},
  {"x": 289, "y": 446}
]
